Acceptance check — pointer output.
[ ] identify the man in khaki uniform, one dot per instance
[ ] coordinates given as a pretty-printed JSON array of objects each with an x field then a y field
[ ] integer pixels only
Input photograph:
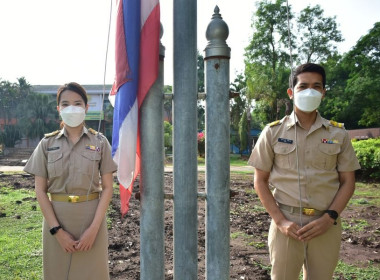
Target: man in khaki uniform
[{"x": 310, "y": 164}]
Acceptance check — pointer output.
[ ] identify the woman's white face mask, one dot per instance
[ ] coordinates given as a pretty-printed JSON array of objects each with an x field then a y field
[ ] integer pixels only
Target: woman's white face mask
[
  {"x": 307, "y": 100},
  {"x": 73, "y": 116}
]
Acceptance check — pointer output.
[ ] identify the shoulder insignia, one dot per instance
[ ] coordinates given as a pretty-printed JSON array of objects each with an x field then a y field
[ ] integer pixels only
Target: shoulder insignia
[
  {"x": 275, "y": 123},
  {"x": 47, "y": 135},
  {"x": 92, "y": 131},
  {"x": 336, "y": 124}
]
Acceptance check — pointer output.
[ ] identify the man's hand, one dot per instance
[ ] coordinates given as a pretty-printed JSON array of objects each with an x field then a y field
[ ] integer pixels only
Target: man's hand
[
  {"x": 315, "y": 228},
  {"x": 289, "y": 228}
]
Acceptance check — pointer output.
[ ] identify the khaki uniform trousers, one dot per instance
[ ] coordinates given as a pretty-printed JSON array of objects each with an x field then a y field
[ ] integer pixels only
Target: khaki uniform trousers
[{"x": 287, "y": 254}]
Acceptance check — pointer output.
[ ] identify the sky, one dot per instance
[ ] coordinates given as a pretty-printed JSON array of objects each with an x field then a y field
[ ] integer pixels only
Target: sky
[{"x": 52, "y": 42}]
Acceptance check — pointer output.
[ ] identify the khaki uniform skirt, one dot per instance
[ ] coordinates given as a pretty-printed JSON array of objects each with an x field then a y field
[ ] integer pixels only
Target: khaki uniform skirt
[{"x": 75, "y": 218}]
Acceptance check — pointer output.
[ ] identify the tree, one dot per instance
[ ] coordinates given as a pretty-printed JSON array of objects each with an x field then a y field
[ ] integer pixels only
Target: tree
[
  {"x": 168, "y": 131},
  {"x": 363, "y": 85},
  {"x": 243, "y": 132},
  {"x": 168, "y": 103},
  {"x": 38, "y": 115},
  {"x": 238, "y": 106},
  {"x": 354, "y": 84},
  {"x": 11, "y": 94},
  {"x": 267, "y": 56},
  {"x": 317, "y": 35}
]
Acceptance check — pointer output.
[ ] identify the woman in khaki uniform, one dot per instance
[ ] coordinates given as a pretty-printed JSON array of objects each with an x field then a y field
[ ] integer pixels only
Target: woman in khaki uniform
[{"x": 67, "y": 164}]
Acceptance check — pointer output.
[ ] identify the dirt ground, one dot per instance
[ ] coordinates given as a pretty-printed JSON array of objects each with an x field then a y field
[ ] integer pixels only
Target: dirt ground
[{"x": 249, "y": 225}]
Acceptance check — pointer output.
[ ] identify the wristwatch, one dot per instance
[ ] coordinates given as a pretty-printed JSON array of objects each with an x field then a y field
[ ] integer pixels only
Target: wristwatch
[
  {"x": 333, "y": 215},
  {"x": 54, "y": 230}
]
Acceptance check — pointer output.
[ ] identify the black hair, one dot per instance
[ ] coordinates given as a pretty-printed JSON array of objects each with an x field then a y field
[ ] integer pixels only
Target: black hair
[
  {"x": 307, "y": 67},
  {"x": 73, "y": 87}
]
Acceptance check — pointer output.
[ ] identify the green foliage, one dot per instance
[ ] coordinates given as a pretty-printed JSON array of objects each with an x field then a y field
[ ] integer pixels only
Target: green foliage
[
  {"x": 267, "y": 57},
  {"x": 354, "y": 84},
  {"x": 238, "y": 105},
  {"x": 243, "y": 132},
  {"x": 268, "y": 54},
  {"x": 168, "y": 131},
  {"x": 38, "y": 115},
  {"x": 317, "y": 35},
  {"x": 368, "y": 153},
  {"x": 10, "y": 135},
  {"x": 363, "y": 61}
]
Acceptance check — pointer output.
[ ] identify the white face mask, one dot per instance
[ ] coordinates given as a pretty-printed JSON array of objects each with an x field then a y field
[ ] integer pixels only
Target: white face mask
[
  {"x": 73, "y": 116},
  {"x": 307, "y": 100}
]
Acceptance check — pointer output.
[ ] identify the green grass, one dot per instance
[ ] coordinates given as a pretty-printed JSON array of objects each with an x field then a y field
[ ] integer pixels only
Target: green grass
[
  {"x": 351, "y": 272},
  {"x": 20, "y": 235},
  {"x": 366, "y": 194},
  {"x": 249, "y": 239},
  {"x": 236, "y": 160}
]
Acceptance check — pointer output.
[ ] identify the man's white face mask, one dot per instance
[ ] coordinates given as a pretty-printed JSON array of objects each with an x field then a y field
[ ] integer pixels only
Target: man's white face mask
[
  {"x": 307, "y": 100},
  {"x": 73, "y": 116}
]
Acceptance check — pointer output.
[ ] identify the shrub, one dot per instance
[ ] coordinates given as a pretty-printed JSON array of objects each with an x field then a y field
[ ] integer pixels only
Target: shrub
[{"x": 368, "y": 153}]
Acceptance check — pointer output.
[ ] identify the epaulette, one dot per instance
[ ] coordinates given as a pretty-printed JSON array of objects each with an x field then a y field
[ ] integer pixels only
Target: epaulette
[
  {"x": 275, "y": 123},
  {"x": 336, "y": 124},
  {"x": 92, "y": 131},
  {"x": 47, "y": 135}
]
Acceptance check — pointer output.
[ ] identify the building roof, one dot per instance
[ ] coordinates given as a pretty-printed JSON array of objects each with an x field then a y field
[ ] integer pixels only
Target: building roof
[
  {"x": 364, "y": 133},
  {"x": 90, "y": 89}
]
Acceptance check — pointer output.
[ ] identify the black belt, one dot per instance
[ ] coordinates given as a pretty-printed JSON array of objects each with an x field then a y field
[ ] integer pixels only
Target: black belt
[{"x": 304, "y": 210}]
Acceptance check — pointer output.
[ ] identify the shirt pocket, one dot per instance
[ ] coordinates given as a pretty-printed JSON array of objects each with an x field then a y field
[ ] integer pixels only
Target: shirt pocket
[
  {"x": 285, "y": 155},
  {"x": 326, "y": 156},
  {"x": 90, "y": 162},
  {"x": 55, "y": 164}
]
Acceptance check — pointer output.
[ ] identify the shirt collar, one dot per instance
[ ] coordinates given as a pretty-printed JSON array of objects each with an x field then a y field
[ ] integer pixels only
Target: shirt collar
[
  {"x": 64, "y": 132},
  {"x": 319, "y": 121}
]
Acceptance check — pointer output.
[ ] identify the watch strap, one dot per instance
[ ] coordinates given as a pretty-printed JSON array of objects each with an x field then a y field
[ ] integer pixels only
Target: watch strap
[
  {"x": 333, "y": 215},
  {"x": 54, "y": 230}
]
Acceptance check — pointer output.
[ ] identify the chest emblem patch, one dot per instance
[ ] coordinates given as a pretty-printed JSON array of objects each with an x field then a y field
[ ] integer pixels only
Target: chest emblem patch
[
  {"x": 330, "y": 141},
  {"x": 92, "y": 148},
  {"x": 284, "y": 140}
]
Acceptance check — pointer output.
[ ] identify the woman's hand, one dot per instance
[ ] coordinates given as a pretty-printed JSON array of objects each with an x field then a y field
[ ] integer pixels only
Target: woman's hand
[
  {"x": 66, "y": 240},
  {"x": 87, "y": 239}
]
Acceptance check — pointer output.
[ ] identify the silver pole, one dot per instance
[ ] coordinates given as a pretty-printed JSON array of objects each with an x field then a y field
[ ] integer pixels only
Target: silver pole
[
  {"x": 185, "y": 140},
  {"x": 152, "y": 261},
  {"x": 217, "y": 67}
]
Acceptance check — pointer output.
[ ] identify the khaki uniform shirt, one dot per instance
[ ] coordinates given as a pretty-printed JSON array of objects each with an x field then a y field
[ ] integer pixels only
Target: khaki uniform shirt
[
  {"x": 323, "y": 151},
  {"x": 69, "y": 168}
]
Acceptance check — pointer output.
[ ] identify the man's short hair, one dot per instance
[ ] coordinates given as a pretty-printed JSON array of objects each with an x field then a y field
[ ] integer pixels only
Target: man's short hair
[{"x": 307, "y": 67}]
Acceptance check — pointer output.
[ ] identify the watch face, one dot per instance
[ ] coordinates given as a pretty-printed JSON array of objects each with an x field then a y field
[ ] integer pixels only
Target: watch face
[{"x": 333, "y": 214}]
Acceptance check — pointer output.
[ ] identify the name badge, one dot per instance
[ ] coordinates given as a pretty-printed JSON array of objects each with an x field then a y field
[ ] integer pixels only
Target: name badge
[
  {"x": 52, "y": 149},
  {"x": 284, "y": 140}
]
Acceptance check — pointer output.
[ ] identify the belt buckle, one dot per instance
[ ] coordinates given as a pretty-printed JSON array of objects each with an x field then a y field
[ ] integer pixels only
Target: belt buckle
[
  {"x": 308, "y": 211},
  {"x": 73, "y": 198}
]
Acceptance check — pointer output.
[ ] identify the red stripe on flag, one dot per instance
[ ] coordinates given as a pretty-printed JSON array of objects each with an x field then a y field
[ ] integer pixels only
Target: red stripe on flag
[
  {"x": 121, "y": 63},
  {"x": 149, "y": 52}
]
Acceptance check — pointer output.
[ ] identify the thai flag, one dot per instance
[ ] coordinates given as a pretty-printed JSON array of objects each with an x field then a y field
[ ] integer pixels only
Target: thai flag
[{"x": 137, "y": 51}]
